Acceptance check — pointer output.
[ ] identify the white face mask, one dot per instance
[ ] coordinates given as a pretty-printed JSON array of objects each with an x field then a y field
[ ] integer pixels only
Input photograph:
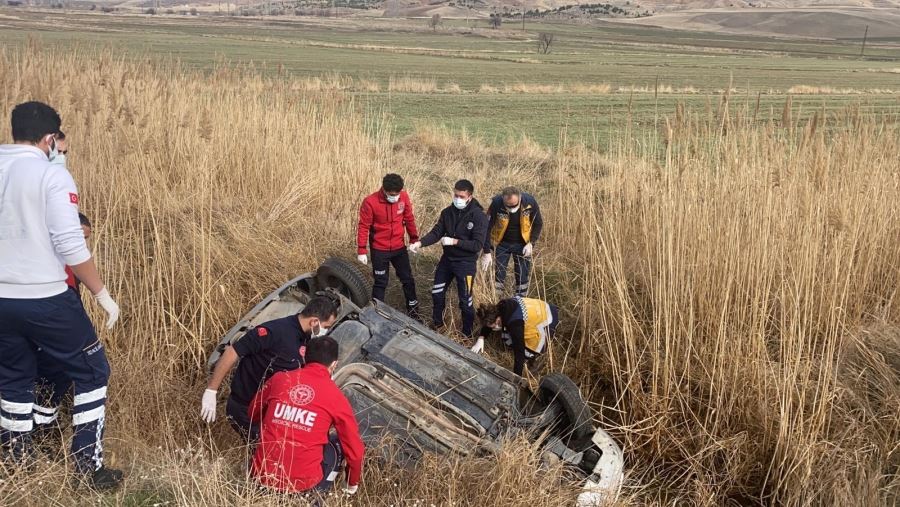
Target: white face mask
[
  {"x": 460, "y": 203},
  {"x": 59, "y": 159},
  {"x": 54, "y": 152},
  {"x": 512, "y": 210},
  {"x": 392, "y": 198},
  {"x": 320, "y": 333}
]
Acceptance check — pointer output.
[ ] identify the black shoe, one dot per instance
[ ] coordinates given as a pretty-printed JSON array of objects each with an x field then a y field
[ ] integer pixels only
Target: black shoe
[
  {"x": 18, "y": 454},
  {"x": 103, "y": 479},
  {"x": 413, "y": 313},
  {"x": 48, "y": 439}
]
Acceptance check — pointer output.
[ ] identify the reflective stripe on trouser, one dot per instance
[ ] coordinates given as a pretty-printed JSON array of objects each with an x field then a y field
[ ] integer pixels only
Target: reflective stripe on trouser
[
  {"x": 464, "y": 273},
  {"x": 60, "y": 328},
  {"x": 44, "y": 415},
  {"x": 88, "y": 421},
  {"x": 521, "y": 267}
]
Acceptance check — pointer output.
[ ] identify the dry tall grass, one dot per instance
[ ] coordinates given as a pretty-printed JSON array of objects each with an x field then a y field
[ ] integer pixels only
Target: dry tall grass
[{"x": 728, "y": 292}]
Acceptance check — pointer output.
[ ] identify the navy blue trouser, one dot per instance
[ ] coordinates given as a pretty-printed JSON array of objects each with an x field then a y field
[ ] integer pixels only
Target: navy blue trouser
[
  {"x": 53, "y": 383},
  {"x": 521, "y": 267},
  {"x": 381, "y": 262},
  {"x": 238, "y": 416},
  {"x": 464, "y": 273},
  {"x": 60, "y": 328},
  {"x": 332, "y": 458}
]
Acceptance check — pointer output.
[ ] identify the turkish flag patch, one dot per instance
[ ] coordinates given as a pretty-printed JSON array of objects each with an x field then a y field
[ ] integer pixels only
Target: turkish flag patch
[
  {"x": 261, "y": 331},
  {"x": 73, "y": 198}
]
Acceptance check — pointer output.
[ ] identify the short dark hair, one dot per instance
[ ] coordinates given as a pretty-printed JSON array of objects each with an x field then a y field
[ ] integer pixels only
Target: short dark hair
[
  {"x": 392, "y": 182},
  {"x": 84, "y": 220},
  {"x": 321, "y": 307},
  {"x": 511, "y": 191},
  {"x": 464, "y": 186},
  {"x": 60, "y": 136},
  {"x": 322, "y": 350},
  {"x": 33, "y": 120},
  {"x": 487, "y": 314}
]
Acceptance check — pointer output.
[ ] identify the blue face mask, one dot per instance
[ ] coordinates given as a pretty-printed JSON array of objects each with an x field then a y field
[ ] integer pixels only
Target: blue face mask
[
  {"x": 460, "y": 203},
  {"x": 392, "y": 198}
]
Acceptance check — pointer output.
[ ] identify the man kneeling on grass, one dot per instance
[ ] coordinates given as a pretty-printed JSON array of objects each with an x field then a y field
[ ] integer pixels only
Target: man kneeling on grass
[
  {"x": 296, "y": 411},
  {"x": 525, "y": 324}
]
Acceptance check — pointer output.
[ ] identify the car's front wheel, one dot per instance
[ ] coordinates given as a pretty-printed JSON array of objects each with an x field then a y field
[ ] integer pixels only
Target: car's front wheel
[
  {"x": 344, "y": 277},
  {"x": 575, "y": 427}
]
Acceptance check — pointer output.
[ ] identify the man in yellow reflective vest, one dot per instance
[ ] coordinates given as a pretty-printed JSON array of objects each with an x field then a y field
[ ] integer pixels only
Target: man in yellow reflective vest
[
  {"x": 514, "y": 226},
  {"x": 525, "y": 324}
]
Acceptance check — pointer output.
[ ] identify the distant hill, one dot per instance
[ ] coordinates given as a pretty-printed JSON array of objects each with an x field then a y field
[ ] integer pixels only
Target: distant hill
[
  {"x": 820, "y": 23},
  {"x": 454, "y": 8}
]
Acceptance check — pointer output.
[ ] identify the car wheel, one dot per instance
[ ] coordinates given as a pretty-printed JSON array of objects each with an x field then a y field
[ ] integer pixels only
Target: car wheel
[
  {"x": 577, "y": 428},
  {"x": 343, "y": 276}
]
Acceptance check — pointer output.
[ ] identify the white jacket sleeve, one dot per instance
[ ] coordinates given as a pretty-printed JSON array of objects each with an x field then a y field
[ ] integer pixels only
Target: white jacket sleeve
[{"x": 62, "y": 217}]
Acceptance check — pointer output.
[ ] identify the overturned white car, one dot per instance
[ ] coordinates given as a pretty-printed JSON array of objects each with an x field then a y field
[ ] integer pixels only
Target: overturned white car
[{"x": 430, "y": 394}]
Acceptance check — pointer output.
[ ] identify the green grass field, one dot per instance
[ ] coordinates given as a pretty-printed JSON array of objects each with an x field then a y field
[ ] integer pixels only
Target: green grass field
[{"x": 687, "y": 67}]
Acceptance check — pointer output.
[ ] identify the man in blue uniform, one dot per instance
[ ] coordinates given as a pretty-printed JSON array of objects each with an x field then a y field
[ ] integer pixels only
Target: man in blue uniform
[
  {"x": 461, "y": 230},
  {"x": 39, "y": 235},
  {"x": 271, "y": 347}
]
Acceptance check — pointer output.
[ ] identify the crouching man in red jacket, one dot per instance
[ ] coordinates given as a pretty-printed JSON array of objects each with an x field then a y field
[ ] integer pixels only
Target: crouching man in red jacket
[{"x": 296, "y": 410}]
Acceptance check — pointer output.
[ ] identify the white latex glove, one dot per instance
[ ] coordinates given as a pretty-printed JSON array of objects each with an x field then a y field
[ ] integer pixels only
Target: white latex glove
[
  {"x": 109, "y": 305},
  {"x": 486, "y": 260},
  {"x": 351, "y": 490},
  {"x": 363, "y": 259},
  {"x": 414, "y": 248},
  {"x": 478, "y": 348},
  {"x": 448, "y": 241},
  {"x": 529, "y": 248},
  {"x": 208, "y": 406}
]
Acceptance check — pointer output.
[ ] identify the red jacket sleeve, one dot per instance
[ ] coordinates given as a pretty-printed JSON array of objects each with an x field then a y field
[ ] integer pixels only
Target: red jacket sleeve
[
  {"x": 348, "y": 434},
  {"x": 365, "y": 224},
  {"x": 258, "y": 406},
  {"x": 410, "y": 220}
]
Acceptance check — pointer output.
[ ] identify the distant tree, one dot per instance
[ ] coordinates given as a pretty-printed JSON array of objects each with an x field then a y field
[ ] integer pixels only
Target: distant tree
[
  {"x": 151, "y": 11},
  {"x": 193, "y": 11},
  {"x": 435, "y": 21},
  {"x": 545, "y": 43},
  {"x": 495, "y": 21}
]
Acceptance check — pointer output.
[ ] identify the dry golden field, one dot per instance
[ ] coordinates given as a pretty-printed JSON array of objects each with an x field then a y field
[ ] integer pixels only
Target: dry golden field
[{"x": 728, "y": 286}]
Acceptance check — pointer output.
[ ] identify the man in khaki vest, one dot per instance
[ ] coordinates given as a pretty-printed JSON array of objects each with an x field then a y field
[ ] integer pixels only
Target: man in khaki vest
[{"x": 514, "y": 226}]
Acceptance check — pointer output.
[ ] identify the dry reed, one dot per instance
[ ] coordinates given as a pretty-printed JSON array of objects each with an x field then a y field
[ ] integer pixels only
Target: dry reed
[{"x": 728, "y": 290}]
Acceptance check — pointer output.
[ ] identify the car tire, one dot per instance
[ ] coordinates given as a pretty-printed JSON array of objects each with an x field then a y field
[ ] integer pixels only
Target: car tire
[
  {"x": 578, "y": 427},
  {"x": 343, "y": 276}
]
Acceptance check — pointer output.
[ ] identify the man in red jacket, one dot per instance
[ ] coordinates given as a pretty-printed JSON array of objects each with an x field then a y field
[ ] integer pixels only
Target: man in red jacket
[
  {"x": 384, "y": 218},
  {"x": 297, "y": 409}
]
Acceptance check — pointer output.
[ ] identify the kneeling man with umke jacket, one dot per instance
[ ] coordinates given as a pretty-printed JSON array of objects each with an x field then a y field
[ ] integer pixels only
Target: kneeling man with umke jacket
[{"x": 296, "y": 410}]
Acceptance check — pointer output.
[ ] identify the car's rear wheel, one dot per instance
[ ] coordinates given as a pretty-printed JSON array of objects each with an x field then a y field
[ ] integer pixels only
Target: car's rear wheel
[
  {"x": 576, "y": 426},
  {"x": 345, "y": 278}
]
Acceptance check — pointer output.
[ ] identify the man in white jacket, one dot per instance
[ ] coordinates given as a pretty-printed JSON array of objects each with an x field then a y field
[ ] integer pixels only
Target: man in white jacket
[{"x": 40, "y": 234}]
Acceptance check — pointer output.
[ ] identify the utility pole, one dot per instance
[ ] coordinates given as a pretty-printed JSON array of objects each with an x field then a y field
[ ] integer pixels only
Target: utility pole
[
  {"x": 865, "y": 36},
  {"x": 523, "y": 18}
]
